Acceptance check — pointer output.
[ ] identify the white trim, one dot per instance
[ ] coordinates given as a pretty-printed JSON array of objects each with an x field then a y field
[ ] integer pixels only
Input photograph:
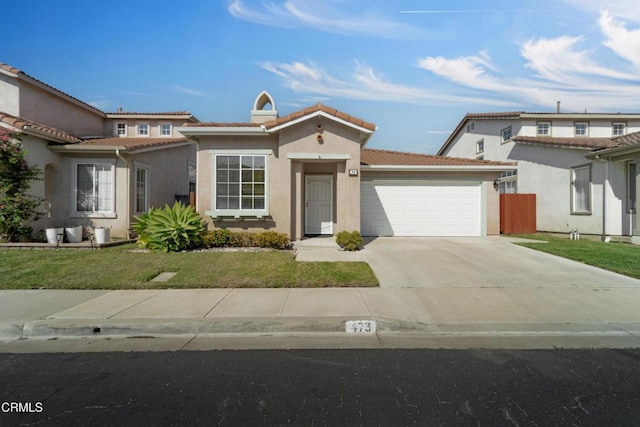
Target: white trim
[
  {"x": 74, "y": 190},
  {"x": 320, "y": 114},
  {"x": 318, "y": 156},
  {"x": 126, "y": 129},
  {"x": 407, "y": 168},
  {"x": 146, "y": 167},
  {"x": 160, "y": 134},
  {"x": 238, "y": 213},
  {"x": 589, "y": 210}
]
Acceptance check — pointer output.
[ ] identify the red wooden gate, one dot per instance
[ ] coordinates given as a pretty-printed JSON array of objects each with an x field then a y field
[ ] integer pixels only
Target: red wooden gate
[{"x": 517, "y": 213}]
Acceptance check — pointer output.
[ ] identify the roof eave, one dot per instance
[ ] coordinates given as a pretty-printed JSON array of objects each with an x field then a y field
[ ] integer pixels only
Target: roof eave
[
  {"x": 45, "y": 135},
  {"x": 77, "y": 148},
  {"x": 322, "y": 114},
  {"x": 614, "y": 151},
  {"x": 222, "y": 131},
  {"x": 438, "y": 168}
]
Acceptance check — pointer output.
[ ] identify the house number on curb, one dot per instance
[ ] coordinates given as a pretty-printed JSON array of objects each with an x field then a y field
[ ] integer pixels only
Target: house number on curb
[{"x": 361, "y": 327}]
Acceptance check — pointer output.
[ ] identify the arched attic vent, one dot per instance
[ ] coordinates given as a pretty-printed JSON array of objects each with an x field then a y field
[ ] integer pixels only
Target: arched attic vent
[{"x": 264, "y": 108}]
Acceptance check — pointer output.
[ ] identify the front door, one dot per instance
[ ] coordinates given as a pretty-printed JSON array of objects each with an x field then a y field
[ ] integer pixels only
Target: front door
[{"x": 318, "y": 211}]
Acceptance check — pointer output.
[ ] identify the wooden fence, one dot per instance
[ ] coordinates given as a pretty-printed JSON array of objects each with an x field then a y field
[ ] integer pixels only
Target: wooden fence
[{"x": 517, "y": 213}]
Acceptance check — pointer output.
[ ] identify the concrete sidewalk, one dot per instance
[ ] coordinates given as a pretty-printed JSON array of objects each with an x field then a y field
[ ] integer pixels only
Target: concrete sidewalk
[{"x": 540, "y": 317}]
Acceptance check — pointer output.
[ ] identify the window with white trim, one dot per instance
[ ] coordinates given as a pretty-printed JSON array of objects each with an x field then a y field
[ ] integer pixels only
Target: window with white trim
[
  {"x": 508, "y": 182},
  {"x": 544, "y": 128},
  {"x": 94, "y": 187},
  {"x": 618, "y": 129},
  {"x": 142, "y": 189},
  {"x": 632, "y": 187},
  {"x": 121, "y": 129},
  {"x": 240, "y": 184},
  {"x": 480, "y": 146},
  {"x": 581, "y": 128},
  {"x": 506, "y": 134},
  {"x": 165, "y": 129},
  {"x": 143, "y": 129},
  {"x": 581, "y": 190}
]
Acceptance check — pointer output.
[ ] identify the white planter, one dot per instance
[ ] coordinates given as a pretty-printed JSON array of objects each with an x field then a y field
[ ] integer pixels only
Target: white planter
[
  {"x": 74, "y": 234},
  {"x": 103, "y": 235},
  {"x": 52, "y": 234}
]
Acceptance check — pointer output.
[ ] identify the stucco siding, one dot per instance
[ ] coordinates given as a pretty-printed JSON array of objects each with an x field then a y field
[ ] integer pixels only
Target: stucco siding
[
  {"x": 9, "y": 95},
  {"x": 43, "y": 107}
]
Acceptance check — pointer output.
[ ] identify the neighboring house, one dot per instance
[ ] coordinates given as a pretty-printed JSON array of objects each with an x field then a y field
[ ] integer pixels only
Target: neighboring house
[
  {"x": 99, "y": 169},
  {"x": 308, "y": 174},
  {"x": 581, "y": 166}
]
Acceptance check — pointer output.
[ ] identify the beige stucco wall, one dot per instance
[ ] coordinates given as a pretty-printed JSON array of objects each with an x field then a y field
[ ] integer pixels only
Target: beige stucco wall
[
  {"x": 490, "y": 196},
  {"x": 41, "y": 106},
  {"x": 9, "y": 95},
  {"x": 286, "y": 176}
]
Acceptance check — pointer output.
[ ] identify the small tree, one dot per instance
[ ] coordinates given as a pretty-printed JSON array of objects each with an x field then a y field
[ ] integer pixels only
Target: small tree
[{"x": 16, "y": 206}]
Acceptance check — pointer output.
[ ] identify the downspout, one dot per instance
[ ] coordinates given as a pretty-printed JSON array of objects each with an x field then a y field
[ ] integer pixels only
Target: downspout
[{"x": 128, "y": 203}]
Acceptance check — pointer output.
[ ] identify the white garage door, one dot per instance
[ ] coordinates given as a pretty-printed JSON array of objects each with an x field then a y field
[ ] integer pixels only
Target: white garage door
[{"x": 420, "y": 208}]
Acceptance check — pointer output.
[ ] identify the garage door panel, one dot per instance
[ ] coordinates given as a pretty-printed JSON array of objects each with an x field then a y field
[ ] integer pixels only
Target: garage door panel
[{"x": 423, "y": 209}]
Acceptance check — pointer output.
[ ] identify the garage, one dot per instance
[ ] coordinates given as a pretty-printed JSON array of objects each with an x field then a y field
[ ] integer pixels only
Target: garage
[{"x": 412, "y": 207}]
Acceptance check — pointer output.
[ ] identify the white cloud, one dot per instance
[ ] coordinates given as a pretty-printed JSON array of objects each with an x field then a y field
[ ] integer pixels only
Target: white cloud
[
  {"x": 323, "y": 15},
  {"x": 189, "y": 91},
  {"x": 624, "y": 9},
  {"x": 625, "y": 43},
  {"x": 102, "y": 103},
  {"x": 365, "y": 84}
]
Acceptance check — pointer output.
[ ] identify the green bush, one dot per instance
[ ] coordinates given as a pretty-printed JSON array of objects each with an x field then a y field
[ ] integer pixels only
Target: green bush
[
  {"x": 244, "y": 239},
  {"x": 170, "y": 228},
  {"x": 349, "y": 240},
  {"x": 271, "y": 239},
  {"x": 216, "y": 239}
]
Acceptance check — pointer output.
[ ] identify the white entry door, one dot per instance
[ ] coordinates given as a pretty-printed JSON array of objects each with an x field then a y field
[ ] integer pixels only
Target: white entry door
[{"x": 318, "y": 211}]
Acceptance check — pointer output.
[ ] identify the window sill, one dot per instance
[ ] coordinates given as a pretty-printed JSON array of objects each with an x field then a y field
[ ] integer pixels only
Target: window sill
[
  {"x": 94, "y": 215},
  {"x": 581, "y": 213},
  {"x": 237, "y": 215}
]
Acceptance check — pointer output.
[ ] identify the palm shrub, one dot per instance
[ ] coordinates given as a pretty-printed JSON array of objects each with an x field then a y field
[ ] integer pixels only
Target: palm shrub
[{"x": 167, "y": 229}]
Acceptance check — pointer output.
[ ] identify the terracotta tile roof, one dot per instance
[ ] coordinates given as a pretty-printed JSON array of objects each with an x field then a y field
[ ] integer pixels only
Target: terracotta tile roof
[
  {"x": 293, "y": 116},
  {"x": 629, "y": 139},
  {"x": 134, "y": 113},
  {"x": 320, "y": 107},
  {"x": 588, "y": 143},
  {"x": 496, "y": 115},
  {"x": 222, "y": 125},
  {"x": 26, "y": 125},
  {"x": 373, "y": 157},
  {"x": 19, "y": 72},
  {"x": 131, "y": 143}
]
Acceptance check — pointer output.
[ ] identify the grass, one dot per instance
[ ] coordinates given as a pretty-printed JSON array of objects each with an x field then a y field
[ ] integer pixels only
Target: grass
[
  {"x": 621, "y": 258},
  {"x": 118, "y": 268}
]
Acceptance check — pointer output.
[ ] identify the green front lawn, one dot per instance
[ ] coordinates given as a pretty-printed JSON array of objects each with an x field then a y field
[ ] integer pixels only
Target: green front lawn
[
  {"x": 621, "y": 258},
  {"x": 117, "y": 268}
]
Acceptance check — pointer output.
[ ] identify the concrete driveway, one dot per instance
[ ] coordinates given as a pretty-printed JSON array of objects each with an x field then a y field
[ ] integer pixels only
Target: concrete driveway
[{"x": 494, "y": 262}]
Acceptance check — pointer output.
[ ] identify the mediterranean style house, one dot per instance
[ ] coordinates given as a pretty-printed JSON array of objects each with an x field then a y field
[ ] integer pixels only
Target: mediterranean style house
[
  {"x": 582, "y": 166},
  {"x": 99, "y": 169},
  {"x": 307, "y": 173}
]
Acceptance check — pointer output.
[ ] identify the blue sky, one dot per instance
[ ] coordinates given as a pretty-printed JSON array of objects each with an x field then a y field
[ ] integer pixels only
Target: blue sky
[{"x": 412, "y": 67}]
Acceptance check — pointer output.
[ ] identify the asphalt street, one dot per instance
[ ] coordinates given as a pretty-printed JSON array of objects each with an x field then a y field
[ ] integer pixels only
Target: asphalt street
[{"x": 323, "y": 387}]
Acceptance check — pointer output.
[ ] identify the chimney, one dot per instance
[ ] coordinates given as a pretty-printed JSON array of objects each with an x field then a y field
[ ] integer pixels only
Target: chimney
[
  {"x": 558, "y": 107},
  {"x": 119, "y": 109}
]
